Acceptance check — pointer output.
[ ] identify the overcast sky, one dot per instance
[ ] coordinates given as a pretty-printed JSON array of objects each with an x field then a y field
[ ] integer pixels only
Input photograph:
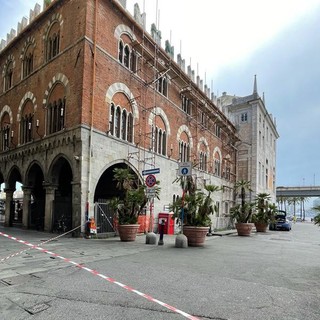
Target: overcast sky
[{"x": 228, "y": 42}]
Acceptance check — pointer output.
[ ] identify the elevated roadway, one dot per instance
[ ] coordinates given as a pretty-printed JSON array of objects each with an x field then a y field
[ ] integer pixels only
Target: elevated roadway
[{"x": 306, "y": 191}]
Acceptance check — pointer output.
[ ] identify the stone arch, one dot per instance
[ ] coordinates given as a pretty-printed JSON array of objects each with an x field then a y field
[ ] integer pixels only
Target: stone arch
[
  {"x": 122, "y": 28},
  {"x": 205, "y": 142},
  {"x": 60, "y": 176},
  {"x": 14, "y": 175},
  {"x": 159, "y": 112},
  {"x": 7, "y": 109},
  {"x": 55, "y": 166},
  {"x": 121, "y": 87},
  {"x": 185, "y": 129},
  {"x": 34, "y": 183},
  {"x": 10, "y": 58},
  {"x": 28, "y": 96},
  {"x": 217, "y": 150},
  {"x": 30, "y": 41},
  {"x": 59, "y": 77},
  {"x": 106, "y": 175},
  {"x": 54, "y": 18},
  {"x": 29, "y": 169}
]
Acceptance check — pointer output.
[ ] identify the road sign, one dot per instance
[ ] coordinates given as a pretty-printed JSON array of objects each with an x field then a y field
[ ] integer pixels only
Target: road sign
[
  {"x": 151, "y": 180},
  {"x": 151, "y": 192},
  {"x": 185, "y": 169},
  {"x": 150, "y": 171}
]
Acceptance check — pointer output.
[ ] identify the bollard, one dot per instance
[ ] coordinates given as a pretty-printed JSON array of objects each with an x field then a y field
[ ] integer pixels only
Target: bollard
[{"x": 160, "y": 242}]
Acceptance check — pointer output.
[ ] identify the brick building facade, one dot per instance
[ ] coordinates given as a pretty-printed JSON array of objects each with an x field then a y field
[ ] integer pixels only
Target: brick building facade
[{"x": 85, "y": 89}]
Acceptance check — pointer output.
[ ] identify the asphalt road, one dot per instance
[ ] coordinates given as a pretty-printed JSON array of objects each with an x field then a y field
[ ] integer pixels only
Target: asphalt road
[{"x": 265, "y": 276}]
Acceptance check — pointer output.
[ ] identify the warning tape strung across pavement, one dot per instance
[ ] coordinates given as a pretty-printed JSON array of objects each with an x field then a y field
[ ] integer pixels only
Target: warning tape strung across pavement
[
  {"x": 96, "y": 273},
  {"x": 42, "y": 242}
]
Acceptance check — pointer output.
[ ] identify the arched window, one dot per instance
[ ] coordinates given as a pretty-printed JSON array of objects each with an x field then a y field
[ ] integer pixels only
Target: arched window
[
  {"x": 133, "y": 61},
  {"x": 53, "y": 41},
  {"x": 162, "y": 86},
  {"x": 185, "y": 104},
  {"x": 5, "y": 137},
  {"x": 217, "y": 166},
  {"x": 120, "y": 51},
  {"x": 203, "y": 161},
  {"x": 26, "y": 126},
  {"x": 56, "y": 115},
  {"x": 159, "y": 141},
  {"x": 155, "y": 140},
  {"x": 117, "y": 122},
  {"x": 164, "y": 143},
  {"x": 111, "y": 119},
  {"x": 27, "y": 63},
  {"x": 184, "y": 151},
  {"x": 8, "y": 77},
  {"x": 126, "y": 58},
  {"x": 130, "y": 128},
  {"x": 120, "y": 123},
  {"x": 124, "y": 125}
]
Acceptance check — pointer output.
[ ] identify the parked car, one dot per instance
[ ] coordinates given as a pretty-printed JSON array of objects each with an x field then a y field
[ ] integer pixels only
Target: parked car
[{"x": 281, "y": 223}]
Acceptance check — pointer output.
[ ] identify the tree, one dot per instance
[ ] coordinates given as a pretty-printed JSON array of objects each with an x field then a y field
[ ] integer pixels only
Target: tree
[
  {"x": 316, "y": 219},
  {"x": 132, "y": 199},
  {"x": 242, "y": 212},
  {"x": 197, "y": 205}
]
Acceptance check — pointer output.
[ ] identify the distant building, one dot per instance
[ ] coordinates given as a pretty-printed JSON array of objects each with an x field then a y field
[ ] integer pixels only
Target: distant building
[
  {"x": 84, "y": 89},
  {"x": 258, "y": 139}
]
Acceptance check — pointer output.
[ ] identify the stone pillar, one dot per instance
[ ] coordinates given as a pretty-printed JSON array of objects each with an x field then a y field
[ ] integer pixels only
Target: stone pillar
[
  {"x": 50, "y": 195},
  {"x": 76, "y": 208},
  {"x": 8, "y": 218},
  {"x": 26, "y": 201}
]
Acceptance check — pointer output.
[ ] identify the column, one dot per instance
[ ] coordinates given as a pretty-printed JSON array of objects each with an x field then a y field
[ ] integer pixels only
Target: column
[
  {"x": 76, "y": 208},
  {"x": 26, "y": 206},
  {"x": 50, "y": 195},
  {"x": 8, "y": 217}
]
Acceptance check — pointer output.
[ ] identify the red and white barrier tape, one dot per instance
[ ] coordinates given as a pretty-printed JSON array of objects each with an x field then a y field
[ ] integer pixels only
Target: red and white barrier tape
[
  {"x": 42, "y": 242},
  {"x": 96, "y": 273}
]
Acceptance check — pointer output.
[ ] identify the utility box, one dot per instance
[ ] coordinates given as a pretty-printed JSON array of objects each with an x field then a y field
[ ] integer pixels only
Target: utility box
[{"x": 168, "y": 226}]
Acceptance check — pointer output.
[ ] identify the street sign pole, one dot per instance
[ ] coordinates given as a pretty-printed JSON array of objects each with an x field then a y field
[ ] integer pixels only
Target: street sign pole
[{"x": 182, "y": 201}]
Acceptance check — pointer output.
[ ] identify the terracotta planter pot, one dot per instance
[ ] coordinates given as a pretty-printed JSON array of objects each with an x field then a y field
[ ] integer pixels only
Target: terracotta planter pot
[
  {"x": 244, "y": 229},
  {"x": 261, "y": 226},
  {"x": 128, "y": 232},
  {"x": 196, "y": 235}
]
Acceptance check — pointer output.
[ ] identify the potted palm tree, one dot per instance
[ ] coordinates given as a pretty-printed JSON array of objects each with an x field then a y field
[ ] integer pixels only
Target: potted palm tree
[
  {"x": 194, "y": 210},
  {"x": 265, "y": 212},
  {"x": 129, "y": 204},
  {"x": 242, "y": 213}
]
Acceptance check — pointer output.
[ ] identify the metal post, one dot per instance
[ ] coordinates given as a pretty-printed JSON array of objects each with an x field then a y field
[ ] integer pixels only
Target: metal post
[
  {"x": 160, "y": 242},
  {"x": 182, "y": 202}
]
